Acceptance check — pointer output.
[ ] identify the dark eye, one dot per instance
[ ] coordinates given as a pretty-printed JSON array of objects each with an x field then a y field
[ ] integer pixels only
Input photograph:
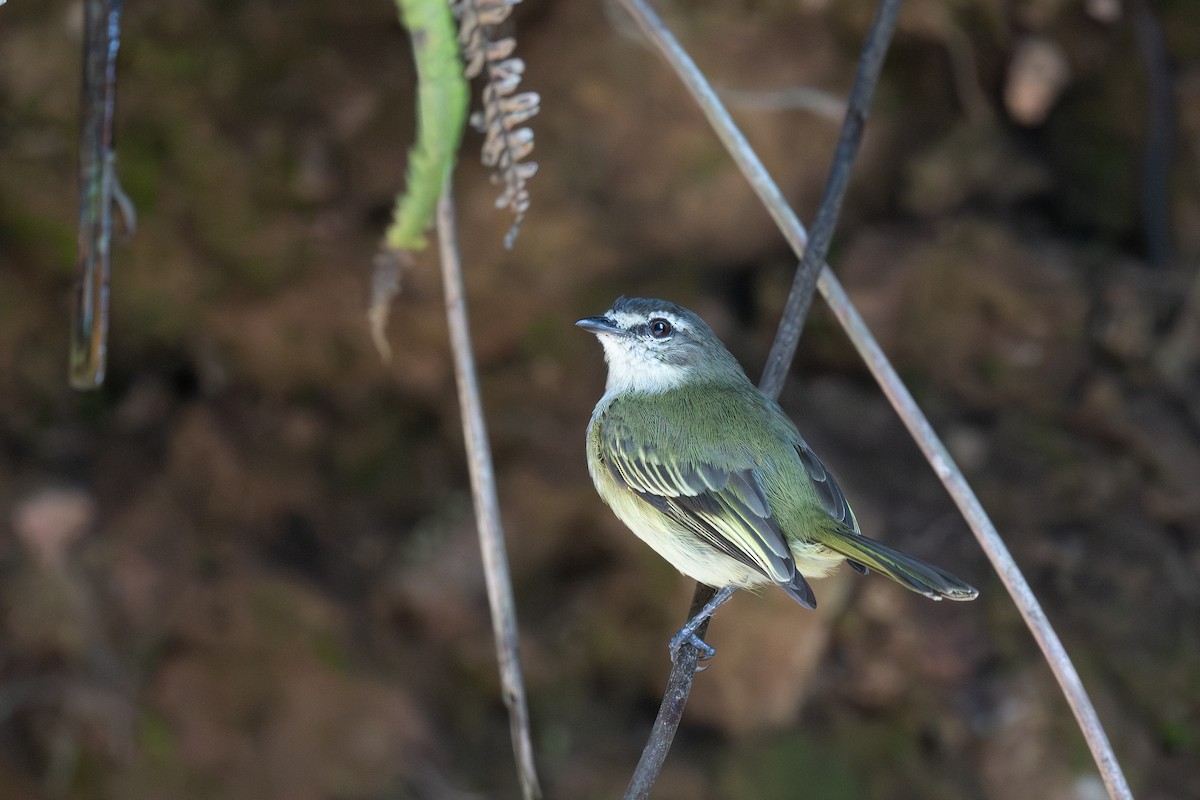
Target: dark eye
[{"x": 660, "y": 328}]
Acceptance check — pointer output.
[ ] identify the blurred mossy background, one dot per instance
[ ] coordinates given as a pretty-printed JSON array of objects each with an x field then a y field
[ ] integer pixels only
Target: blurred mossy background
[{"x": 246, "y": 567}]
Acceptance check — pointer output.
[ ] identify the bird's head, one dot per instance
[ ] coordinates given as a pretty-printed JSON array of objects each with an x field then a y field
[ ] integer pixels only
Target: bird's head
[{"x": 654, "y": 345}]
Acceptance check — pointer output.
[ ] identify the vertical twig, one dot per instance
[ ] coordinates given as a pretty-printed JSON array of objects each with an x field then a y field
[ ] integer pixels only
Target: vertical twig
[
  {"x": 1160, "y": 125},
  {"x": 487, "y": 506},
  {"x": 993, "y": 546},
  {"x": 98, "y": 191}
]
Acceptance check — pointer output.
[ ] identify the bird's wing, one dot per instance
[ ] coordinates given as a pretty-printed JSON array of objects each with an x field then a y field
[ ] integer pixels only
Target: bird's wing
[
  {"x": 833, "y": 500},
  {"x": 719, "y": 499}
]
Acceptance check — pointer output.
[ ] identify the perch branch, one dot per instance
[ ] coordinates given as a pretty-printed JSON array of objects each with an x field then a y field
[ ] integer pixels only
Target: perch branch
[
  {"x": 993, "y": 546},
  {"x": 670, "y": 713},
  {"x": 487, "y": 506}
]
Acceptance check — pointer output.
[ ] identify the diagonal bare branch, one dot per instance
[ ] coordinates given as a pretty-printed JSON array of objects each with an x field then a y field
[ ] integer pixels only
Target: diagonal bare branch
[{"x": 939, "y": 458}]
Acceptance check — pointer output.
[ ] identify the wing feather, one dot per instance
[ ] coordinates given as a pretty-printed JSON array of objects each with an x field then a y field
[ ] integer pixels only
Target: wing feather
[
  {"x": 721, "y": 503},
  {"x": 832, "y": 498}
]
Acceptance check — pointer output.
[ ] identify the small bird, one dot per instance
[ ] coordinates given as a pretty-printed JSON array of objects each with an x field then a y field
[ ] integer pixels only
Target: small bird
[{"x": 710, "y": 472}]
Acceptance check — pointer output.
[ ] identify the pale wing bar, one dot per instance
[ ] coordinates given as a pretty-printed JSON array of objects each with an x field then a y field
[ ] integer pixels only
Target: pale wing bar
[{"x": 727, "y": 509}]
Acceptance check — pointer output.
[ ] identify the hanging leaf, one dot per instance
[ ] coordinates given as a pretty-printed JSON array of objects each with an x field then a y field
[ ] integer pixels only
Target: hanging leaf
[
  {"x": 442, "y": 100},
  {"x": 441, "y": 115}
]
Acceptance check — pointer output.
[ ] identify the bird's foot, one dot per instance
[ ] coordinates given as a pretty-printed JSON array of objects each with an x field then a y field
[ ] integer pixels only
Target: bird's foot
[{"x": 687, "y": 634}]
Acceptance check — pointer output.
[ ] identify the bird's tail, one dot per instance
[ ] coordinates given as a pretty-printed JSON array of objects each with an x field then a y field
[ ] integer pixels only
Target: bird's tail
[{"x": 906, "y": 570}]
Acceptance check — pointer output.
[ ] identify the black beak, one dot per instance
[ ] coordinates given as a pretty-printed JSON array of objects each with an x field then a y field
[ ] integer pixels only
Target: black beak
[{"x": 598, "y": 325}]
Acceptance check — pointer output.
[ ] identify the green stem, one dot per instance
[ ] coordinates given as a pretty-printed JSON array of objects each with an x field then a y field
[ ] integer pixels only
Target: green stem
[{"x": 441, "y": 116}]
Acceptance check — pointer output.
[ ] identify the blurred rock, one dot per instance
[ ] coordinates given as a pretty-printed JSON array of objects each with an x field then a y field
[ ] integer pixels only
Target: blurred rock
[
  {"x": 1103, "y": 10},
  {"x": 283, "y": 714},
  {"x": 980, "y": 311},
  {"x": 1178, "y": 357},
  {"x": 1125, "y": 326},
  {"x": 145, "y": 406},
  {"x": 969, "y": 447},
  {"x": 1037, "y": 75},
  {"x": 49, "y": 521},
  {"x": 970, "y": 164},
  {"x": 768, "y": 652},
  {"x": 1022, "y": 755},
  {"x": 48, "y": 619}
]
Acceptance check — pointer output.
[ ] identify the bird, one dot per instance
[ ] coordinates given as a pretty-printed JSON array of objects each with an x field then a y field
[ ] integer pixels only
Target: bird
[{"x": 711, "y": 473}]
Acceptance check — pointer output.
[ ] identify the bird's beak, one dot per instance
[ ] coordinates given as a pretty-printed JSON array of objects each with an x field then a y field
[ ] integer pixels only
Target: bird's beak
[{"x": 598, "y": 325}]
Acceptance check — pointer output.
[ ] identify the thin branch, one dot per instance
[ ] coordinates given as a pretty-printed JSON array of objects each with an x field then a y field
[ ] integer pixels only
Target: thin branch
[
  {"x": 99, "y": 190},
  {"x": 670, "y": 713},
  {"x": 487, "y": 506},
  {"x": 906, "y": 408},
  {"x": 795, "y": 98},
  {"x": 813, "y": 256}
]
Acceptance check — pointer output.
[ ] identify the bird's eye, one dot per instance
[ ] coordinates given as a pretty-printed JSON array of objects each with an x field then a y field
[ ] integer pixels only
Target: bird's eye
[{"x": 660, "y": 328}]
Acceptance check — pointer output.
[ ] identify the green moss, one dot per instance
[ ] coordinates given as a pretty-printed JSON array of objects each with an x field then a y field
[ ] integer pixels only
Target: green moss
[
  {"x": 48, "y": 243},
  {"x": 155, "y": 738},
  {"x": 288, "y": 615},
  {"x": 148, "y": 313},
  {"x": 706, "y": 162},
  {"x": 791, "y": 767},
  {"x": 992, "y": 370},
  {"x": 1097, "y": 154},
  {"x": 1178, "y": 735},
  {"x": 168, "y": 63},
  {"x": 545, "y": 336},
  {"x": 329, "y": 649},
  {"x": 142, "y": 159},
  {"x": 1180, "y": 20},
  {"x": 264, "y": 275},
  {"x": 89, "y": 769}
]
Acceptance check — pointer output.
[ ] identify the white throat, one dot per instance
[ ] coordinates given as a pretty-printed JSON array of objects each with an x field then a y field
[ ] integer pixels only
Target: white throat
[{"x": 631, "y": 368}]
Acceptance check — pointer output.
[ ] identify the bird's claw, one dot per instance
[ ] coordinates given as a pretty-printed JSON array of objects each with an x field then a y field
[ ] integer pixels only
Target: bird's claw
[{"x": 706, "y": 650}]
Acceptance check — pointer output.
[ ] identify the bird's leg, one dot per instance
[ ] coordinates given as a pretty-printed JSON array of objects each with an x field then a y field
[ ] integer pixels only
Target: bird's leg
[{"x": 688, "y": 632}]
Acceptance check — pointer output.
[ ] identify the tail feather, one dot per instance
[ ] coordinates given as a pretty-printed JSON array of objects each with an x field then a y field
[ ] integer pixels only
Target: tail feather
[
  {"x": 906, "y": 570},
  {"x": 800, "y": 591}
]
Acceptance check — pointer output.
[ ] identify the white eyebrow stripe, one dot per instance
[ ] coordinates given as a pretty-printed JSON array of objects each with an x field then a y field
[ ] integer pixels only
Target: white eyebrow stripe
[{"x": 627, "y": 319}]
